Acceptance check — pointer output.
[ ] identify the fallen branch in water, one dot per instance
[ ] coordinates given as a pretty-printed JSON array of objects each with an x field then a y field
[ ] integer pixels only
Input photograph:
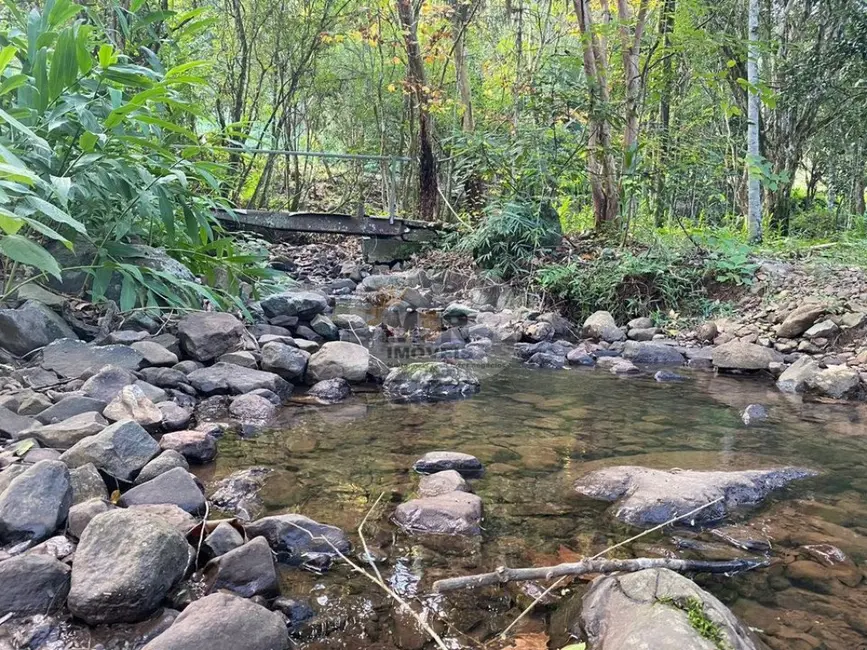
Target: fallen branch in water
[{"x": 505, "y": 574}]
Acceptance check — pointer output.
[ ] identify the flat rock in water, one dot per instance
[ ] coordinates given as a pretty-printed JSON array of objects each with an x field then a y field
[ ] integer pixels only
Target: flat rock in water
[
  {"x": 72, "y": 358},
  {"x": 197, "y": 447},
  {"x": 175, "y": 487},
  {"x": 33, "y": 584},
  {"x": 649, "y": 609},
  {"x": 439, "y": 461},
  {"x": 433, "y": 485},
  {"x": 349, "y": 361},
  {"x": 648, "y": 497},
  {"x": 224, "y": 622},
  {"x": 652, "y": 353},
  {"x": 455, "y": 513},
  {"x": 229, "y": 379},
  {"x": 738, "y": 355},
  {"x": 31, "y": 326},
  {"x": 35, "y": 503},
  {"x": 70, "y": 407},
  {"x": 754, "y": 414},
  {"x": 204, "y": 336},
  {"x": 119, "y": 450},
  {"x": 63, "y": 435},
  {"x": 125, "y": 564},
  {"x": 430, "y": 382},
  {"x": 295, "y": 538},
  {"x": 248, "y": 570}
]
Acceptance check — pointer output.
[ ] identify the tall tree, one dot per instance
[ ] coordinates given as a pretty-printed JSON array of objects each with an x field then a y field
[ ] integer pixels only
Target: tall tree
[{"x": 754, "y": 217}]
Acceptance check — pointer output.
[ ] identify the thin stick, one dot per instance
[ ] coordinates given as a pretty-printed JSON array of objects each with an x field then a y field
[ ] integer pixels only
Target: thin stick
[
  {"x": 364, "y": 541},
  {"x": 606, "y": 552}
]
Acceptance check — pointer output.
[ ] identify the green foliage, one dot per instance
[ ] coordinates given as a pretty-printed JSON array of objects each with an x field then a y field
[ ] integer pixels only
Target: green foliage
[
  {"x": 98, "y": 151},
  {"x": 509, "y": 238},
  {"x": 699, "y": 620}
]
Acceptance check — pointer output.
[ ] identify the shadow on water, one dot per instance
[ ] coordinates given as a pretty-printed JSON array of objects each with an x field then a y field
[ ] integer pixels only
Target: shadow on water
[{"x": 536, "y": 432}]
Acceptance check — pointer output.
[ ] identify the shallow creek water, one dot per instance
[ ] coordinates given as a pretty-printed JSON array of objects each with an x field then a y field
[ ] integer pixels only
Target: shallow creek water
[{"x": 536, "y": 432}]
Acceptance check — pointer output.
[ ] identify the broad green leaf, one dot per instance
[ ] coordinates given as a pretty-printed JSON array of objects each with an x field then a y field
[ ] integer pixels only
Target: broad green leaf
[
  {"x": 150, "y": 119},
  {"x": 178, "y": 70},
  {"x": 18, "y": 174},
  {"x": 22, "y": 250},
  {"x": 62, "y": 11},
  {"x": 10, "y": 222},
  {"x": 87, "y": 141},
  {"x": 6, "y": 55},
  {"x": 128, "y": 295},
  {"x": 64, "y": 64},
  {"x": 82, "y": 49},
  {"x": 106, "y": 55},
  {"x": 53, "y": 212},
  {"x": 11, "y": 83},
  {"x": 35, "y": 139},
  {"x": 101, "y": 280}
]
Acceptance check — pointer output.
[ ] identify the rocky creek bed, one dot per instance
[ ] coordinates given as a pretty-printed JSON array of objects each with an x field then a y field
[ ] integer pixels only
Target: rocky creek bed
[{"x": 219, "y": 470}]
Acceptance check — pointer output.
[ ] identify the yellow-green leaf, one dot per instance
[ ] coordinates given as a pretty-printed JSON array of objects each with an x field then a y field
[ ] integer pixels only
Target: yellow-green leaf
[
  {"x": 6, "y": 55},
  {"x": 22, "y": 250},
  {"x": 10, "y": 222}
]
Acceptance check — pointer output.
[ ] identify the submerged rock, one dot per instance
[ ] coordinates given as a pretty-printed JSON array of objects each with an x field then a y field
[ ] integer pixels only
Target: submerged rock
[
  {"x": 296, "y": 538},
  {"x": 754, "y": 414},
  {"x": 239, "y": 492},
  {"x": 455, "y": 513},
  {"x": 125, "y": 564},
  {"x": 430, "y": 382},
  {"x": 648, "y": 497},
  {"x": 440, "y": 461},
  {"x": 651, "y": 609}
]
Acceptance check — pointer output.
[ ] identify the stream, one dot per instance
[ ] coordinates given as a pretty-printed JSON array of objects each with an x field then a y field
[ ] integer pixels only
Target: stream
[{"x": 536, "y": 432}]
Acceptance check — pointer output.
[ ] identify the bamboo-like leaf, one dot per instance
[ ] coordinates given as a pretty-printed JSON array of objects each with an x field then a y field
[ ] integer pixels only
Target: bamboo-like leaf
[
  {"x": 53, "y": 212},
  {"x": 10, "y": 222},
  {"x": 35, "y": 139},
  {"x": 11, "y": 83},
  {"x": 22, "y": 250},
  {"x": 128, "y": 295},
  {"x": 6, "y": 56}
]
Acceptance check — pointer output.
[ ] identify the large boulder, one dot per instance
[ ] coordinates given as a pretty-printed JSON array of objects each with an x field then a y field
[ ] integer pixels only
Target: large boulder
[
  {"x": 339, "y": 359},
  {"x": 657, "y": 608},
  {"x": 13, "y": 425},
  {"x": 35, "y": 503},
  {"x": 227, "y": 378},
  {"x": 125, "y": 564},
  {"x": 838, "y": 382},
  {"x": 33, "y": 584},
  {"x": 454, "y": 513},
  {"x": 652, "y": 353},
  {"x": 296, "y": 538},
  {"x": 796, "y": 377},
  {"x": 287, "y": 361},
  {"x": 69, "y": 407},
  {"x": 71, "y": 358},
  {"x": 31, "y": 326},
  {"x": 63, "y": 435},
  {"x": 303, "y": 304},
  {"x": 738, "y": 355},
  {"x": 602, "y": 326},
  {"x": 799, "y": 320},
  {"x": 224, "y": 622},
  {"x": 649, "y": 497},
  {"x": 119, "y": 450},
  {"x": 175, "y": 487},
  {"x": 204, "y": 336},
  {"x": 248, "y": 570},
  {"x": 430, "y": 382}
]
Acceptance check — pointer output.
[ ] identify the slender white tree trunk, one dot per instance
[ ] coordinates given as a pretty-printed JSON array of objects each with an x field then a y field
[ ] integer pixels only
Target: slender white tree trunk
[{"x": 754, "y": 218}]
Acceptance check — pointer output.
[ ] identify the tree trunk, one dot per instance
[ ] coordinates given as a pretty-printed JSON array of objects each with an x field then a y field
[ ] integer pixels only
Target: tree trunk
[
  {"x": 459, "y": 29},
  {"x": 754, "y": 217},
  {"x": 666, "y": 27},
  {"x": 427, "y": 173}
]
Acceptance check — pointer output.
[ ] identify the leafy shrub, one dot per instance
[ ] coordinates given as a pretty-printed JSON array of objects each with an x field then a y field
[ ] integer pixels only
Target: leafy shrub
[{"x": 96, "y": 152}]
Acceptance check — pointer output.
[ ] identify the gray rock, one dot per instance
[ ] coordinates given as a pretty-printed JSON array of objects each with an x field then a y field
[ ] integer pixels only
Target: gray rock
[
  {"x": 547, "y": 360},
  {"x": 179, "y": 519},
  {"x": 433, "y": 485},
  {"x": 32, "y": 404},
  {"x": 826, "y": 329},
  {"x": 69, "y": 407},
  {"x": 169, "y": 459},
  {"x": 707, "y": 331},
  {"x": 125, "y": 337},
  {"x": 380, "y": 282},
  {"x": 9, "y": 473},
  {"x": 226, "y": 378},
  {"x": 648, "y": 609},
  {"x": 799, "y": 321},
  {"x": 349, "y": 361},
  {"x": 324, "y": 327},
  {"x": 248, "y": 570},
  {"x": 853, "y": 319},
  {"x": 36, "y": 377},
  {"x": 239, "y": 492},
  {"x": 154, "y": 354},
  {"x": 125, "y": 564},
  {"x": 175, "y": 416},
  {"x": 107, "y": 383},
  {"x": 35, "y": 454},
  {"x": 430, "y": 382},
  {"x": 663, "y": 376},
  {"x": 252, "y": 409},
  {"x": 455, "y": 513},
  {"x": 642, "y": 323},
  {"x": 352, "y": 322},
  {"x": 86, "y": 484},
  {"x": 12, "y": 424},
  {"x": 187, "y": 366},
  {"x": 284, "y": 360},
  {"x": 796, "y": 377},
  {"x": 240, "y": 358},
  {"x": 204, "y": 336},
  {"x": 648, "y": 497},
  {"x": 241, "y": 624},
  {"x": 441, "y": 461},
  {"x": 303, "y": 304},
  {"x": 119, "y": 450},
  {"x": 132, "y": 404},
  {"x": 71, "y": 359},
  {"x": 35, "y": 503},
  {"x": 737, "y": 355},
  {"x": 82, "y": 513},
  {"x": 63, "y": 435},
  {"x": 597, "y": 323},
  {"x": 224, "y": 538},
  {"x": 837, "y": 382},
  {"x": 295, "y": 538},
  {"x": 33, "y": 584},
  {"x": 652, "y": 353},
  {"x": 175, "y": 487},
  {"x": 330, "y": 391},
  {"x": 197, "y": 447},
  {"x": 754, "y": 413},
  {"x": 31, "y": 326}
]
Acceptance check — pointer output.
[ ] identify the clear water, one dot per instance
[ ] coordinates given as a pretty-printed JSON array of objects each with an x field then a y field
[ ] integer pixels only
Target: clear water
[{"x": 536, "y": 432}]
